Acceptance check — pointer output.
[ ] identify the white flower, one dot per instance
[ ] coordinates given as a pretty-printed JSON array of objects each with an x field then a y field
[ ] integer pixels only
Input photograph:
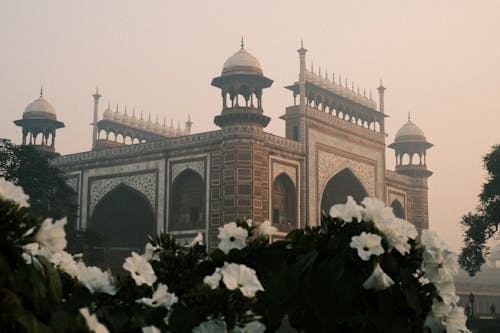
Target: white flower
[
  {"x": 348, "y": 211},
  {"x": 31, "y": 250},
  {"x": 52, "y": 236},
  {"x": 241, "y": 277},
  {"x": 197, "y": 240},
  {"x": 435, "y": 319},
  {"x": 367, "y": 244},
  {"x": 251, "y": 327},
  {"x": 455, "y": 321},
  {"x": 249, "y": 222},
  {"x": 398, "y": 232},
  {"x": 265, "y": 229},
  {"x": 437, "y": 255},
  {"x": 151, "y": 252},
  {"x": 161, "y": 297},
  {"x": 151, "y": 329},
  {"x": 11, "y": 192},
  {"x": 214, "y": 279},
  {"x": 65, "y": 262},
  {"x": 376, "y": 211},
  {"x": 93, "y": 324},
  {"x": 445, "y": 286},
  {"x": 140, "y": 269},
  {"x": 378, "y": 280},
  {"x": 211, "y": 326},
  {"x": 95, "y": 279},
  {"x": 232, "y": 237}
]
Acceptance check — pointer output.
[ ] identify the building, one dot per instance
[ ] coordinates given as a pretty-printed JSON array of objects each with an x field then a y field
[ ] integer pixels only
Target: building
[{"x": 142, "y": 177}]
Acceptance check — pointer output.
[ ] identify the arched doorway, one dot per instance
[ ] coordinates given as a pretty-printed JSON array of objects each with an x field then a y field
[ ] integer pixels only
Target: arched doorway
[
  {"x": 284, "y": 203},
  {"x": 124, "y": 217},
  {"x": 187, "y": 202},
  {"x": 339, "y": 187},
  {"x": 397, "y": 209}
]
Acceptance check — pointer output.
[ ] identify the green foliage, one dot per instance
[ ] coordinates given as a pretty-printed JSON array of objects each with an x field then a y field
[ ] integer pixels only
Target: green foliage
[
  {"x": 45, "y": 184},
  {"x": 483, "y": 224}
]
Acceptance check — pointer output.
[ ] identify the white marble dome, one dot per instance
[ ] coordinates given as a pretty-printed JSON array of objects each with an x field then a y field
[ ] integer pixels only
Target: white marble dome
[
  {"x": 40, "y": 108},
  {"x": 410, "y": 132},
  {"x": 242, "y": 62}
]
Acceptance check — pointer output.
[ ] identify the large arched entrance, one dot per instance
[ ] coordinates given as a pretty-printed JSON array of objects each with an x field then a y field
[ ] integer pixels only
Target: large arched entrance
[
  {"x": 284, "y": 203},
  {"x": 397, "y": 209},
  {"x": 124, "y": 217},
  {"x": 339, "y": 187},
  {"x": 187, "y": 202}
]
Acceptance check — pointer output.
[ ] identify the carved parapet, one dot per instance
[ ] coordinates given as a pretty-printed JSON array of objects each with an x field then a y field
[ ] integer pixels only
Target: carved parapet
[{"x": 141, "y": 148}]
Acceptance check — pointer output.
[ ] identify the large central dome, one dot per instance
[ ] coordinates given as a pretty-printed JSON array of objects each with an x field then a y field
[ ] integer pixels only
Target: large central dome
[{"x": 242, "y": 62}]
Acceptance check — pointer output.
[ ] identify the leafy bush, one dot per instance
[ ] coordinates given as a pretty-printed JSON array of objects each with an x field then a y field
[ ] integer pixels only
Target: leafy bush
[{"x": 361, "y": 270}]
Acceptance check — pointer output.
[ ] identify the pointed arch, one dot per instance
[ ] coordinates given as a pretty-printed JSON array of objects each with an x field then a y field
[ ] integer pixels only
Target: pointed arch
[
  {"x": 341, "y": 185},
  {"x": 398, "y": 209},
  {"x": 187, "y": 201},
  {"x": 125, "y": 217},
  {"x": 284, "y": 203}
]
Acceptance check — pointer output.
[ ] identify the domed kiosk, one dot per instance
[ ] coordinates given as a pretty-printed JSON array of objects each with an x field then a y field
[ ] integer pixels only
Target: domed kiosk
[
  {"x": 242, "y": 75},
  {"x": 39, "y": 117},
  {"x": 409, "y": 142}
]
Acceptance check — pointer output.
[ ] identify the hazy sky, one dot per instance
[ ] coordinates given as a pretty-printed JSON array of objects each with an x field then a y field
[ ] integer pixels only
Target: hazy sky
[{"x": 438, "y": 59}]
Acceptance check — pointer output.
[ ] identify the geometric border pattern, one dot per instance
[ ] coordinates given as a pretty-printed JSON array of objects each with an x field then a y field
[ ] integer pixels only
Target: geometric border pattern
[{"x": 144, "y": 183}]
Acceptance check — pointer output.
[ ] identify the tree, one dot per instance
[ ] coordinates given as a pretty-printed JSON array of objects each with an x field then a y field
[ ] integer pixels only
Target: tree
[
  {"x": 45, "y": 184},
  {"x": 482, "y": 224}
]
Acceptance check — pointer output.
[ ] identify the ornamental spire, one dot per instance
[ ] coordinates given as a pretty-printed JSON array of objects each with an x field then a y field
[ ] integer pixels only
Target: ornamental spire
[
  {"x": 242, "y": 43},
  {"x": 41, "y": 91}
]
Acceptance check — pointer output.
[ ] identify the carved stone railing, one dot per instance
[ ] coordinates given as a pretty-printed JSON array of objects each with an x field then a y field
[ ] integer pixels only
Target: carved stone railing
[{"x": 140, "y": 148}]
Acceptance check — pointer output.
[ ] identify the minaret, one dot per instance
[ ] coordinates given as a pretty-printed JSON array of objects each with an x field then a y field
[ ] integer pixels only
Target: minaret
[
  {"x": 381, "y": 90},
  {"x": 302, "y": 76},
  {"x": 189, "y": 123},
  {"x": 96, "y": 111}
]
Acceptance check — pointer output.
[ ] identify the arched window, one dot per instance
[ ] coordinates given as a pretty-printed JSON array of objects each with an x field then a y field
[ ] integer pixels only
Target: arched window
[
  {"x": 187, "y": 202},
  {"x": 284, "y": 203},
  {"x": 124, "y": 217},
  {"x": 339, "y": 187},
  {"x": 398, "y": 209}
]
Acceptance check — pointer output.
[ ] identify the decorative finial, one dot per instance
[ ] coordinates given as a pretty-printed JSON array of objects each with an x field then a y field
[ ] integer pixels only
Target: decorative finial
[
  {"x": 352, "y": 85},
  {"x": 97, "y": 90},
  {"x": 364, "y": 92},
  {"x": 409, "y": 116},
  {"x": 108, "y": 103},
  {"x": 358, "y": 89},
  {"x": 340, "y": 80},
  {"x": 125, "y": 109},
  {"x": 319, "y": 71},
  {"x": 301, "y": 43},
  {"x": 242, "y": 43},
  {"x": 326, "y": 74},
  {"x": 141, "y": 114},
  {"x": 381, "y": 82},
  {"x": 41, "y": 91}
]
